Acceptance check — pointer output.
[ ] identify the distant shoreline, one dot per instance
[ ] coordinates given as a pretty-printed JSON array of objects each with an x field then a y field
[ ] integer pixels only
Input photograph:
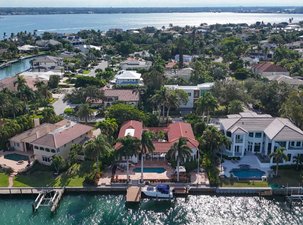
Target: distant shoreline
[{"x": 123, "y": 10}]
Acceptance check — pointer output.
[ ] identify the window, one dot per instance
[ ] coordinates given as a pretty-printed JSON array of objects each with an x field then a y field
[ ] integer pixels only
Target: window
[
  {"x": 228, "y": 134},
  {"x": 36, "y": 147},
  {"x": 257, "y": 147},
  {"x": 41, "y": 148},
  {"x": 298, "y": 144},
  {"x": 258, "y": 135},
  {"x": 288, "y": 157},
  {"x": 53, "y": 150},
  {"x": 189, "y": 94},
  {"x": 239, "y": 139},
  {"x": 58, "y": 150},
  {"x": 237, "y": 149},
  {"x": 251, "y": 134},
  {"x": 47, "y": 150},
  {"x": 46, "y": 159},
  {"x": 292, "y": 144}
]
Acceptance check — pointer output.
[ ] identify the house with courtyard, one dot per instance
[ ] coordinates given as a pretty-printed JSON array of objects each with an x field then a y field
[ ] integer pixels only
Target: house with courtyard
[
  {"x": 261, "y": 134},
  {"x": 47, "y": 140},
  {"x": 162, "y": 143}
]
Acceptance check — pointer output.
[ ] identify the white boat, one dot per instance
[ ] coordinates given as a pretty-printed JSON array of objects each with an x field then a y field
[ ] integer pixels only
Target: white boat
[{"x": 161, "y": 191}]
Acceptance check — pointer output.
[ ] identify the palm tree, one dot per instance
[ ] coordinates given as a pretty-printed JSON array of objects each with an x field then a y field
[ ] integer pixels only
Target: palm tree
[
  {"x": 97, "y": 148},
  {"x": 181, "y": 152},
  {"x": 42, "y": 89},
  {"x": 85, "y": 112},
  {"x": 130, "y": 146},
  {"x": 298, "y": 160},
  {"x": 147, "y": 146},
  {"x": 206, "y": 104},
  {"x": 175, "y": 99},
  {"x": 109, "y": 127},
  {"x": 278, "y": 156},
  {"x": 161, "y": 99},
  {"x": 20, "y": 83}
]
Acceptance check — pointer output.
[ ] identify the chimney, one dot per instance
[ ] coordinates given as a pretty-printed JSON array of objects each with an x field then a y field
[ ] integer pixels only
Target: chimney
[{"x": 36, "y": 122}]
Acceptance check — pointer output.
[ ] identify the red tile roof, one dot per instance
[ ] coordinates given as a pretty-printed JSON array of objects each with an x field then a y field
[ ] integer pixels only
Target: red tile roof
[
  {"x": 269, "y": 67},
  {"x": 174, "y": 132}
]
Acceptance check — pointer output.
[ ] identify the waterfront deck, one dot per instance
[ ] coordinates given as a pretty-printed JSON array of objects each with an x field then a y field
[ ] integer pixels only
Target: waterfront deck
[{"x": 133, "y": 194}]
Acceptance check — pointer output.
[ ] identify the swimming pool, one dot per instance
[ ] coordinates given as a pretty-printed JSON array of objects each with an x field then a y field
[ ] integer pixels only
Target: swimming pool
[
  {"x": 16, "y": 157},
  {"x": 248, "y": 174},
  {"x": 150, "y": 170}
]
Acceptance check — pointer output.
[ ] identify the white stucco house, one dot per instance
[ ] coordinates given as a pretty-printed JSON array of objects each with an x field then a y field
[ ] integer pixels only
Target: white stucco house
[
  {"x": 194, "y": 92},
  {"x": 261, "y": 134},
  {"x": 127, "y": 77}
]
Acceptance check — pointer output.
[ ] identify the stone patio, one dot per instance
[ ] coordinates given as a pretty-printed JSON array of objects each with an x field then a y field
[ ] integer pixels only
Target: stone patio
[{"x": 17, "y": 167}]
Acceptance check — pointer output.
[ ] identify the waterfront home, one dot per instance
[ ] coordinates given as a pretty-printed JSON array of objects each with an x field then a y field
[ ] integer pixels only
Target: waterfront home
[
  {"x": 267, "y": 69},
  {"x": 47, "y": 44},
  {"x": 47, "y": 140},
  {"x": 127, "y": 77},
  {"x": 194, "y": 92},
  {"x": 47, "y": 63},
  {"x": 9, "y": 83},
  {"x": 135, "y": 64},
  {"x": 261, "y": 134},
  {"x": 27, "y": 48},
  {"x": 74, "y": 40},
  {"x": 172, "y": 133}
]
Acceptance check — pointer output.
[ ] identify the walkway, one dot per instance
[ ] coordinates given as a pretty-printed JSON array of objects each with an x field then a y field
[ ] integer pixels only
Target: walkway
[{"x": 101, "y": 66}]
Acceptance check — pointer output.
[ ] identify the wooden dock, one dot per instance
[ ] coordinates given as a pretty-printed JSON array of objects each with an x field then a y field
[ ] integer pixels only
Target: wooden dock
[{"x": 133, "y": 194}]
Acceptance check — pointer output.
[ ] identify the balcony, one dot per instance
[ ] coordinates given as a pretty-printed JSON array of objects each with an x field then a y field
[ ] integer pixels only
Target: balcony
[{"x": 239, "y": 140}]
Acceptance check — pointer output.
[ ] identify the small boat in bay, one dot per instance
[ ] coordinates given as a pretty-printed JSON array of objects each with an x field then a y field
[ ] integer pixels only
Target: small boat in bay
[{"x": 161, "y": 191}]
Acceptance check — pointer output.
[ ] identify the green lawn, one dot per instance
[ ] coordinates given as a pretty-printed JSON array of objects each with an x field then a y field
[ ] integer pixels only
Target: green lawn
[
  {"x": 290, "y": 177},
  {"x": 3, "y": 180},
  {"x": 257, "y": 183},
  {"x": 42, "y": 176},
  {"x": 86, "y": 72}
]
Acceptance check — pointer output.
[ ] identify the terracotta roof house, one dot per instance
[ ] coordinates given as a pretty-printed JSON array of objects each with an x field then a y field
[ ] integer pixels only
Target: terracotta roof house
[
  {"x": 173, "y": 133},
  {"x": 47, "y": 140},
  {"x": 261, "y": 134},
  {"x": 269, "y": 69}
]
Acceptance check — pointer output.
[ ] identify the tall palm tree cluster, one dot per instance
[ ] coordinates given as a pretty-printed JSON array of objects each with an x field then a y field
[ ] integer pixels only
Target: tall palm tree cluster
[{"x": 165, "y": 99}]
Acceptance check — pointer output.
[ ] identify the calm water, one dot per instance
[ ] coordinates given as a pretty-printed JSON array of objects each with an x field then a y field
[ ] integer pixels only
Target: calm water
[
  {"x": 15, "y": 68},
  {"x": 98, "y": 209},
  {"x": 75, "y": 22}
]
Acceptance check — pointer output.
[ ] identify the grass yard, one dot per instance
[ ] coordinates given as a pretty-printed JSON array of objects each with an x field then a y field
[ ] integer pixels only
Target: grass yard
[
  {"x": 85, "y": 72},
  {"x": 290, "y": 177},
  {"x": 3, "y": 180},
  {"x": 253, "y": 183},
  {"x": 43, "y": 176}
]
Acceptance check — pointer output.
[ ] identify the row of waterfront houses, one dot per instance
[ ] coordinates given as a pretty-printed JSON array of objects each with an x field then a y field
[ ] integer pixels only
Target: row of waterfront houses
[{"x": 249, "y": 133}]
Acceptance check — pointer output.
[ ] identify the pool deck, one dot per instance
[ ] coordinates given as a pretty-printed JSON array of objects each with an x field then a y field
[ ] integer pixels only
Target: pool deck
[
  {"x": 197, "y": 179},
  {"x": 12, "y": 163},
  {"x": 250, "y": 160}
]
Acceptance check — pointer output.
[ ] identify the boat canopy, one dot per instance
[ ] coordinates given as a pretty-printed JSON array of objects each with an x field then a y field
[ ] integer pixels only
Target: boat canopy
[{"x": 163, "y": 188}]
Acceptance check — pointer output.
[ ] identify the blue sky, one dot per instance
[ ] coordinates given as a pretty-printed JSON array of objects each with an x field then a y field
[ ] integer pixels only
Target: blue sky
[{"x": 146, "y": 3}]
